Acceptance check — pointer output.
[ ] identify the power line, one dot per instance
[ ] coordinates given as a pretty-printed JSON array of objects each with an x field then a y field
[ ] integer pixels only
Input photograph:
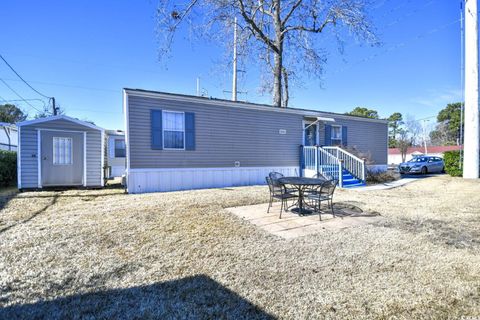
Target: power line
[
  {"x": 52, "y": 99},
  {"x": 18, "y": 95},
  {"x": 397, "y": 46},
  {"x": 11, "y": 68},
  {"x": 16, "y": 100},
  {"x": 70, "y": 86}
]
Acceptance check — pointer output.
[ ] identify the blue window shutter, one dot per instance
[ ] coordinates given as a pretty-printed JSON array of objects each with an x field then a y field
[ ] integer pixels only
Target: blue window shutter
[
  {"x": 344, "y": 136},
  {"x": 156, "y": 129},
  {"x": 328, "y": 135},
  {"x": 189, "y": 131}
]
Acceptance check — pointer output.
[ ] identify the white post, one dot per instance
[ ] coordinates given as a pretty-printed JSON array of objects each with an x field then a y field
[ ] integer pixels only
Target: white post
[
  {"x": 472, "y": 135},
  {"x": 234, "y": 83},
  {"x": 340, "y": 173},
  {"x": 198, "y": 86}
]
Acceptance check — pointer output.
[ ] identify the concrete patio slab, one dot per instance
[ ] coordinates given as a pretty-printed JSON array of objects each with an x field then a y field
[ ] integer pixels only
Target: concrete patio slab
[{"x": 291, "y": 225}]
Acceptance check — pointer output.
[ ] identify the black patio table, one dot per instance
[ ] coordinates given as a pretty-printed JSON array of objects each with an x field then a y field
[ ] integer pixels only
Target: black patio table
[{"x": 301, "y": 183}]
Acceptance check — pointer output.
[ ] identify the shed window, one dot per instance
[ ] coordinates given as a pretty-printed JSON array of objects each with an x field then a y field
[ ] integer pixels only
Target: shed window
[
  {"x": 336, "y": 135},
  {"x": 119, "y": 148},
  {"x": 173, "y": 130},
  {"x": 62, "y": 150}
]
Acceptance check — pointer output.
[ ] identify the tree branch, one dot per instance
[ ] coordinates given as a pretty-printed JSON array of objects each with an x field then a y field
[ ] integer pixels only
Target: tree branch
[
  {"x": 292, "y": 10},
  {"x": 255, "y": 28},
  {"x": 311, "y": 29}
]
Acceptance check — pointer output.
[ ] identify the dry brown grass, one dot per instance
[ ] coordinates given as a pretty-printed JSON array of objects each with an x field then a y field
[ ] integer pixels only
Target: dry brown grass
[{"x": 104, "y": 254}]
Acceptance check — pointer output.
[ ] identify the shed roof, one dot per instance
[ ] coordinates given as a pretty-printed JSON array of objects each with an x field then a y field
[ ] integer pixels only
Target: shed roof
[{"x": 59, "y": 117}]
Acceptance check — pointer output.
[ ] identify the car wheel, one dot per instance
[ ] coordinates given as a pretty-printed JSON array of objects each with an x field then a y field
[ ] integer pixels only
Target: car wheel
[
  {"x": 424, "y": 170},
  {"x": 443, "y": 170}
]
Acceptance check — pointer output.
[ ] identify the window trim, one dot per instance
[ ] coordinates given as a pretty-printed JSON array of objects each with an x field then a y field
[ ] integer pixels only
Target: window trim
[
  {"x": 54, "y": 153},
  {"x": 336, "y": 139},
  {"x": 163, "y": 131}
]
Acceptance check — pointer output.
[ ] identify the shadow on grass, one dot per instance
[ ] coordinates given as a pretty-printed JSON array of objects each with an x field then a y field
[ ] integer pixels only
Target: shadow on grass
[
  {"x": 7, "y": 194},
  {"x": 345, "y": 209},
  {"x": 36, "y": 213},
  {"x": 95, "y": 195},
  {"x": 196, "y": 297},
  {"x": 350, "y": 209}
]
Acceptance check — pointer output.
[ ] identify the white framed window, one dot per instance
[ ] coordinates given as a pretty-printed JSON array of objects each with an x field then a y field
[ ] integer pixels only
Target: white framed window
[
  {"x": 336, "y": 135},
  {"x": 62, "y": 151},
  {"x": 173, "y": 124}
]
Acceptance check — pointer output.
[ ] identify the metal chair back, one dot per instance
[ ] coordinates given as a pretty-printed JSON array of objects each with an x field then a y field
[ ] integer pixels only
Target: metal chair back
[
  {"x": 328, "y": 187},
  {"x": 275, "y": 175},
  {"x": 319, "y": 176},
  {"x": 275, "y": 187},
  {"x": 269, "y": 183}
]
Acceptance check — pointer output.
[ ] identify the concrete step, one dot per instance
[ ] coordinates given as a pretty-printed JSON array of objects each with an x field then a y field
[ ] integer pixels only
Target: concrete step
[{"x": 355, "y": 185}]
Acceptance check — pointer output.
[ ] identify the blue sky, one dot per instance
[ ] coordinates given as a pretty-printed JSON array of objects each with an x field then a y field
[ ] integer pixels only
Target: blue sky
[{"x": 84, "y": 52}]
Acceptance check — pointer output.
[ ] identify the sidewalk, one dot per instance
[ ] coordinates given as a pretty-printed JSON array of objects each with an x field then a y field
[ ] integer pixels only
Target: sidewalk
[{"x": 388, "y": 185}]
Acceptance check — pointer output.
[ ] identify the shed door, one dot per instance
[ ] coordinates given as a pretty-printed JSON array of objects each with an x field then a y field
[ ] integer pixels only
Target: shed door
[{"x": 62, "y": 158}]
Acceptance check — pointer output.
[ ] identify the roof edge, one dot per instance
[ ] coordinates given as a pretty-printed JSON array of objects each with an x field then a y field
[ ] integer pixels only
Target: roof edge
[
  {"x": 59, "y": 117},
  {"x": 267, "y": 107}
]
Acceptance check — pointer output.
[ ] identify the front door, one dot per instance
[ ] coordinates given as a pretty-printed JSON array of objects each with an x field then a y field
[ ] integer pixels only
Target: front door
[
  {"x": 61, "y": 158},
  {"x": 310, "y": 134}
]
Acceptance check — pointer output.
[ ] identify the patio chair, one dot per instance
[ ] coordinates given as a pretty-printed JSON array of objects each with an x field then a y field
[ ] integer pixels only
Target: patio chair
[
  {"x": 277, "y": 175},
  {"x": 318, "y": 175},
  {"x": 278, "y": 191},
  {"x": 313, "y": 189},
  {"x": 323, "y": 193}
]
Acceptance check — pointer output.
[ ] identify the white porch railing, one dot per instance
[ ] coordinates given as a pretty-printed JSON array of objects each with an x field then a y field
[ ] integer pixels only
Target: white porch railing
[
  {"x": 320, "y": 161},
  {"x": 352, "y": 163}
]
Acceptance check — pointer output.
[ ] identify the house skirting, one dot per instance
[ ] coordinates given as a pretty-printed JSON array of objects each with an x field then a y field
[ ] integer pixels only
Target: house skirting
[
  {"x": 173, "y": 179},
  {"x": 377, "y": 167},
  {"x": 117, "y": 171}
]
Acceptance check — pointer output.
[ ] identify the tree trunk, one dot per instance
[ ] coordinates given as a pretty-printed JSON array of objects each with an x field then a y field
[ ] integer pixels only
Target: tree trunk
[
  {"x": 277, "y": 80},
  {"x": 277, "y": 56},
  {"x": 285, "y": 92}
]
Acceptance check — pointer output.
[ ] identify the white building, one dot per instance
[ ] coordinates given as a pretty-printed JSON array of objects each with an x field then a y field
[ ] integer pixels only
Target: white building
[
  {"x": 8, "y": 136},
  {"x": 395, "y": 156},
  {"x": 116, "y": 153}
]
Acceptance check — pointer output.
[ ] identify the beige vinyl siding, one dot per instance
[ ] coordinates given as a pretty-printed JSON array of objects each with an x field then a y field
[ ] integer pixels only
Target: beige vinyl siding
[{"x": 225, "y": 134}]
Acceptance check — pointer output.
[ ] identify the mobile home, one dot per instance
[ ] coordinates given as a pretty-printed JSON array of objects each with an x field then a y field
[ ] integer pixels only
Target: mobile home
[
  {"x": 115, "y": 153},
  {"x": 178, "y": 142}
]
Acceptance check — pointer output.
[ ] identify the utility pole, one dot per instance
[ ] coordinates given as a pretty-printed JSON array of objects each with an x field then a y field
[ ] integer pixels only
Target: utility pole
[
  {"x": 471, "y": 154},
  {"x": 234, "y": 83},
  {"x": 462, "y": 84},
  {"x": 424, "y": 129},
  {"x": 53, "y": 106},
  {"x": 198, "y": 86}
]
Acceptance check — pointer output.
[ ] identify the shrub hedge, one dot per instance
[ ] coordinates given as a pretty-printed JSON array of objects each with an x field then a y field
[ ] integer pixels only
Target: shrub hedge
[
  {"x": 8, "y": 168},
  {"x": 452, "y": 161}
]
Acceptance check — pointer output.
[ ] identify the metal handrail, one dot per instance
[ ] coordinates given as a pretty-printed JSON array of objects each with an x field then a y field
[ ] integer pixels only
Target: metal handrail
[
  {"x": 344, "y": 151},
  {"x": 352, "y": 163},
  {"x": 329, "y": 166}
]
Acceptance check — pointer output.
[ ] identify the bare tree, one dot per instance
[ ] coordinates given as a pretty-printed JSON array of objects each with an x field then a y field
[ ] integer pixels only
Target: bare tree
[
  {"x": 414, "y": 129},
  {"x": 282, "y": 35},
  {"x": 403, "y": 142}
]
